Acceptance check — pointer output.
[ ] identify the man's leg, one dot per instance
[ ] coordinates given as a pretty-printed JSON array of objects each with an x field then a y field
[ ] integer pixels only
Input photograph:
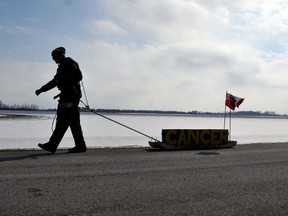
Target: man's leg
[
  {"x": 62, "y": 124},
  {"x": 76, "y": 130}
]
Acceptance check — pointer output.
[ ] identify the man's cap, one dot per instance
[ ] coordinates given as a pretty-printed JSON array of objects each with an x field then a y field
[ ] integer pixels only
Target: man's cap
[{"x": 60, "y": 50}]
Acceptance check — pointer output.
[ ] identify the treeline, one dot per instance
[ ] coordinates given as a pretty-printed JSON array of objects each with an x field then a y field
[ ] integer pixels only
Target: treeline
[
  {"x": 33, "y": 107},
  {"x": 234, "y": 113},
  {"x": 257, "y": 113},
  {"x": 137, "y": 111},
  {"x": 29, "y": 107}
]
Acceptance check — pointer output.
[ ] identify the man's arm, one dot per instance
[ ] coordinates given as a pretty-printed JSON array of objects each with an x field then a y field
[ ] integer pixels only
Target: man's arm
[{"x": 51, "y": 84}]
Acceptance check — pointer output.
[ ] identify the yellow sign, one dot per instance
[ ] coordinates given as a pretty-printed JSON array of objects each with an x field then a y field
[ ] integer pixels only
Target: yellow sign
[{"x": 188, "y": 137}]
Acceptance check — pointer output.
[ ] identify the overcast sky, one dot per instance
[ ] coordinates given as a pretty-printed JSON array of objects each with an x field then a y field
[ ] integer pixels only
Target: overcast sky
[{"x": 178, "y": 55}]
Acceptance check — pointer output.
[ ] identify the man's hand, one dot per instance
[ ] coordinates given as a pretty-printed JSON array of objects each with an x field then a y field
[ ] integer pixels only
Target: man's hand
[{"x": 37, "y": 92}]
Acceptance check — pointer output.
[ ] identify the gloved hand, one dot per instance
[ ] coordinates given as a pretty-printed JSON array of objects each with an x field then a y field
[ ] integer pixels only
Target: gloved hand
[{"x": 37, "y": 92}]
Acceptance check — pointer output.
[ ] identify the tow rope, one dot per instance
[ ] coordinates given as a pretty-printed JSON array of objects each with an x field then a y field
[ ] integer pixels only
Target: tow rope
[
  {"x": 93, "y": 111},
  {"x": 103, "y": 116}
]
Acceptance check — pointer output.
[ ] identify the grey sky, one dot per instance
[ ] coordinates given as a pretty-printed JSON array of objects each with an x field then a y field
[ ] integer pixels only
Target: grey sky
[{"x": 166, "y": 55}]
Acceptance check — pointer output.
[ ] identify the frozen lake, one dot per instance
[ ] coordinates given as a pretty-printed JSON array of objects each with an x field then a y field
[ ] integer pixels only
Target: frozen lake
[{"x": 22, "y": 133}]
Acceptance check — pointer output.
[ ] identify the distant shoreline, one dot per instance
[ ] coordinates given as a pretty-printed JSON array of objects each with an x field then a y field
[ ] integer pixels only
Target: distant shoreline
[
  {"x": 16, "y": 116},
  {"x": 13, "y": 114}
]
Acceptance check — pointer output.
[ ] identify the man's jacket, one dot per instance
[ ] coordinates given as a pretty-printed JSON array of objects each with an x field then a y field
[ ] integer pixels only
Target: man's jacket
[{"x": 67, "y": 79}]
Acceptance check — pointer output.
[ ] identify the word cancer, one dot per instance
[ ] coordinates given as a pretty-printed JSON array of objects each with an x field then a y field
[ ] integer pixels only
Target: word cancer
[{"x": 186, "y": 137}]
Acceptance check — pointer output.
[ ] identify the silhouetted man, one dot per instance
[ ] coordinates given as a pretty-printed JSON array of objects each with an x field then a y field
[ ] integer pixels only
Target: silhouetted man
[{"x": 67, "y": 79}]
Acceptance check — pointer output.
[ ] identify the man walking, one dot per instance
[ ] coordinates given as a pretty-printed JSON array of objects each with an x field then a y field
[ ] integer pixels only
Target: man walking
[{"x": 67, "y": 79}]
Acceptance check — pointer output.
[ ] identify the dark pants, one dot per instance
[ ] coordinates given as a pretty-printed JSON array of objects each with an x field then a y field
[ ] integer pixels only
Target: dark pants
[{"x": 68, "y": 117}]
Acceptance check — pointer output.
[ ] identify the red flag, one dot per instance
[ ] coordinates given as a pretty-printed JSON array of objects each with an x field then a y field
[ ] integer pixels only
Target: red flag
[{"x": 233, "y": 101}]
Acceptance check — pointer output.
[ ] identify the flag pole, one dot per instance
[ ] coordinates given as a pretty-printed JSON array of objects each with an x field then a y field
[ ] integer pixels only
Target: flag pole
[
  {"x": 232, "y": 102},
  {"x": 225, "y": 111},
  {"x": 225, "y": 118},
  {"x": 230, "y": 127}
]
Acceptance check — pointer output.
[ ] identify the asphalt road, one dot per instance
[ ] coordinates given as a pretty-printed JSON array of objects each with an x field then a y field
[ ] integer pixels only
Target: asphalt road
[{"x": 244, "y": 180}]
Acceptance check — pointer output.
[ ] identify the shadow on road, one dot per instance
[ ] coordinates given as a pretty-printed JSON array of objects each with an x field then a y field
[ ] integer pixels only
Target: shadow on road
[{"x": 29, "y": 156}]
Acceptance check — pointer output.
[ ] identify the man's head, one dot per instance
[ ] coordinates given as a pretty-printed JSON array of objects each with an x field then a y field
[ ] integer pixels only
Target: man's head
[{"x": 58, "y": 54}]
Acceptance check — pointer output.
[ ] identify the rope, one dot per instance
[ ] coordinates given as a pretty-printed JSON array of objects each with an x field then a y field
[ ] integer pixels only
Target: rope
[
  {"x": 53, "y": 122},
  {"x": 93, "y": 111},
  {"x": 84, "y": 93}
]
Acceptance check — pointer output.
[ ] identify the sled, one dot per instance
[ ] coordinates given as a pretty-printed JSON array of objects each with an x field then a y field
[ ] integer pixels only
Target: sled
[{"x": 174, "y": 139}]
